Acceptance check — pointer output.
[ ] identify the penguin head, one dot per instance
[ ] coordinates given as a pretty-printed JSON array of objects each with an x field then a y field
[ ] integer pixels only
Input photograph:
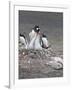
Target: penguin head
[
  {"x": 22, "y": 35},
  {"x": 44, "y": 36},
  {"x": 36, "y": 28}
]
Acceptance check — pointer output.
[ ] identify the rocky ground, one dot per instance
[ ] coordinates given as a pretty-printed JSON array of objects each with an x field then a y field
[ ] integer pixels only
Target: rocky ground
[{"x": 40, "y": 63}]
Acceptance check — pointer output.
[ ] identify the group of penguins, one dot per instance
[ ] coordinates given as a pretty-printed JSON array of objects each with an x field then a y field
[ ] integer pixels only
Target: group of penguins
[{"x": 37, "y": 40}]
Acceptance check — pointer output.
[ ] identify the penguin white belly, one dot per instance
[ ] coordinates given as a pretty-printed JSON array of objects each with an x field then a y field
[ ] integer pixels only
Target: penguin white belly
[
  {"x": 32, "y": 35},
  {"x": 23, "y": 42},
  {"x": 37, "y": 45},
  {"x": 32, "y": 43},
  {"x": 45, "y": 42}
]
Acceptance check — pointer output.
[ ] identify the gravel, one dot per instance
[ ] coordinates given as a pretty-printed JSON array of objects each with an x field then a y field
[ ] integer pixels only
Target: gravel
[{"x": 40, "y": 63}]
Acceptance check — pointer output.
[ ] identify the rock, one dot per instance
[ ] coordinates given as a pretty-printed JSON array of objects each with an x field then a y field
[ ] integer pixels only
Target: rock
[{"x": 56, "y": 62}]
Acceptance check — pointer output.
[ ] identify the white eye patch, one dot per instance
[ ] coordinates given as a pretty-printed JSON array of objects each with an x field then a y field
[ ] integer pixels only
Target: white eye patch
[{"x": 37, "y": 28}]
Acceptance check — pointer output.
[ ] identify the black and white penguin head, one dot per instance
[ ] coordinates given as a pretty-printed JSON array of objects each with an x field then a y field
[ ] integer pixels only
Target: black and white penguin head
[
  {"x": 36, "y": 28},
  {"x": 44, "y": 36},
  {"x": 22, "y": 35}
]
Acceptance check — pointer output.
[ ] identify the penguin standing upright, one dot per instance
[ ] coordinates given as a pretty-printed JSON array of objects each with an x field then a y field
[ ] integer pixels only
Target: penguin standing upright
[
  {"x": 35, "y": 38},
  {"x": 44, "y": 41},
  {"x": 22, "y": 41}
]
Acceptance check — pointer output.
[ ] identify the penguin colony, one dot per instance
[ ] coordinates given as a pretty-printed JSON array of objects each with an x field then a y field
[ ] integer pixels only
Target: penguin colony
[{"x": 38, "y": 40}]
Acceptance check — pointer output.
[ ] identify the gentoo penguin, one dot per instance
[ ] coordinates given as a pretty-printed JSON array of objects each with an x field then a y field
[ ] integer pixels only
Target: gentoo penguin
[
  {"x": 44, "y": 41},
  {"x": 34, "y": 31},
  {"x": 35, "y": 38},
  {"x": 22, "y": 41}
]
